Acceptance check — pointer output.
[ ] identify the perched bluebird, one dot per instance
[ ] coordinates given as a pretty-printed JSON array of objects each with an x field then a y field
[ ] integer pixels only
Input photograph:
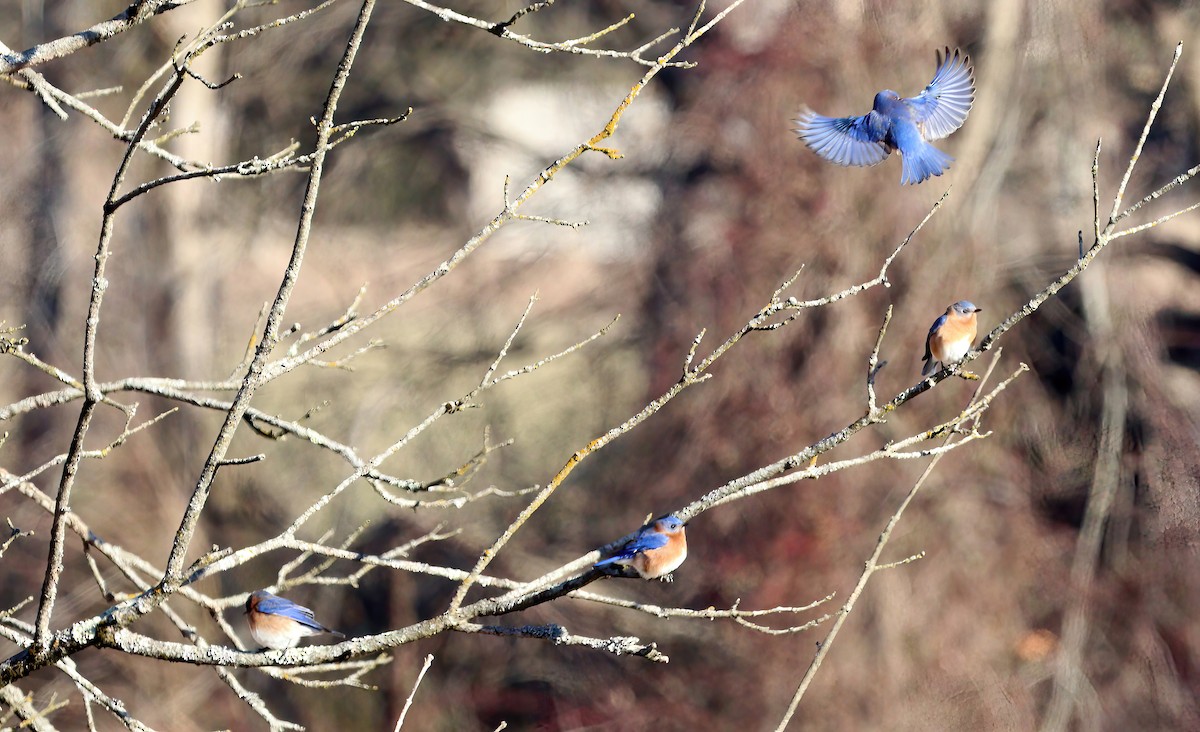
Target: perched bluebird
[
  {"x": 657, "y": 550},
  {"x": 276, "y": 622},
  {"x": 950, "y": 336},
  {"x": 899, "y": 123}
]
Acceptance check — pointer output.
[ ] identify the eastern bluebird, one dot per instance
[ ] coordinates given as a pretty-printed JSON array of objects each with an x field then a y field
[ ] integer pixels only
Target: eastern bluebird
[
  {"x": 899, "y": 123},
  {"x": 276, "y": 622},
  {"x": 657, "y": 550},
  {"x": 950, "y": 336}
]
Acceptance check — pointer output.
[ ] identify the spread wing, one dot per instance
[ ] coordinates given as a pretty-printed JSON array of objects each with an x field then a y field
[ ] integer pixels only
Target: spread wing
[
  {"x": 844, "y": 140},
  {"x": 943, "y": 106}
]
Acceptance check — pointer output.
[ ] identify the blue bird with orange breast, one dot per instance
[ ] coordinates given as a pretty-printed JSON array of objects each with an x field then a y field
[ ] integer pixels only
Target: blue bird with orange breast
[
  {"x": 657, "y": 550},
  {"x": 904, "y": 124},
  {"x": 951, "y": 336},
  {"x": 276, "y": 622}
]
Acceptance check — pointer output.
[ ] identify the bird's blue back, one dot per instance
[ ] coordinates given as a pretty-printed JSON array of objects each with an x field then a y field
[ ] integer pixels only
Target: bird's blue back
[
  {"x": 288, "y": 609},
  {"x": 937, "y": 324},
  {"x": 645, "y": 541}
]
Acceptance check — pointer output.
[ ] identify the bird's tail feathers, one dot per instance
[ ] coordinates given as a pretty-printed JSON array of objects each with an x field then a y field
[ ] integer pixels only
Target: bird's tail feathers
[
  {"x": 930, "y": 366},
  {"x": 923, "y": 163}
]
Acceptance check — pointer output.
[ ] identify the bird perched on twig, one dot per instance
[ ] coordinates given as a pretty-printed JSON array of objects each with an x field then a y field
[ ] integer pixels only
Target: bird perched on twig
[
  {"x": 276, "y": 622},
  {"x": 904, "y": 124},
  {"x": 658, "y": 549},
  {"x": 951, "y": 336}
]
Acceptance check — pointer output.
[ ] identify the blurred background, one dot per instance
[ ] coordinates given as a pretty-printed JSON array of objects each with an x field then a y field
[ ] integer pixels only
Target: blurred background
[{"x": 714, "y": 203}]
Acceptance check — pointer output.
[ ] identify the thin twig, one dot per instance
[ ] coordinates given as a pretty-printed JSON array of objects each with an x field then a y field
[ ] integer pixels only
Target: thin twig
[
  {"x": 1116, "y": 216},
  {"x": 408, "y": 702}
]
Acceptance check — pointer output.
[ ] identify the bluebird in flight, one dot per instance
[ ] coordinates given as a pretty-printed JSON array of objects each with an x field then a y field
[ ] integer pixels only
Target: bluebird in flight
[
  {"x": 657, "y": 550},
  {"x": 276, "y": 622},
  {"x": 906, "y": 124},
  {"x": 951, "y": 336}
]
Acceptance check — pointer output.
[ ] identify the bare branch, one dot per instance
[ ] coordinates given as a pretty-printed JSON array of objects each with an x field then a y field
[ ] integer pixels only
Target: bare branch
[
  {"x": 22, "y": 705},
  {"x": 575, "y": 46},
  {"x": 873, "y": 364},
  {"x": 559, "y": 636},
  {"x": 873, "y": 565},
  {"x": 13, "y": 534},
  {"x": 137, "y": 13},
  {"x": 255, "y": 377}
]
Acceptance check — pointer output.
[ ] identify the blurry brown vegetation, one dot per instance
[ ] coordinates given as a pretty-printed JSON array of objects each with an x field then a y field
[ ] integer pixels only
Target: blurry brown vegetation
[{"x": 965, "y": 639}]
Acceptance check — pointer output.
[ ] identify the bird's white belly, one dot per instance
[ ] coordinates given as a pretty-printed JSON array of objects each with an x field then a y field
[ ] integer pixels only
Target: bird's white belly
[
  {"x": 272, "y": 638},
  {"x": 954, "y": 351}
]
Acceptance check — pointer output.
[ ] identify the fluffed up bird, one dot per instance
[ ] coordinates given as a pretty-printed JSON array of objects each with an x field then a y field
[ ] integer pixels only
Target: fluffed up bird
[
  {"x": 657, "y": 550},
  {"x": 276, "y": 622},
  {"x": 951, "y": 336},
  {"x": 904, "y": 124}
]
